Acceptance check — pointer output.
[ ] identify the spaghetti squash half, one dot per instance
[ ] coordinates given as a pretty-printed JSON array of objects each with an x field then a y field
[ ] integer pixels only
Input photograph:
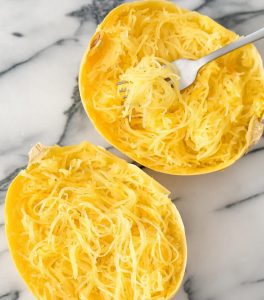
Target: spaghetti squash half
[
  {"x": 204, "y": 128},
  {"x": 84, "y": 224}
]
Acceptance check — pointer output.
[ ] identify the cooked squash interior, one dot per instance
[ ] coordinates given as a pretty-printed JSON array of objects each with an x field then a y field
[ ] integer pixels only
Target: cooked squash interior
[
  {"x": 84, "y": 224},
  {"x": 204, "y": 128}
]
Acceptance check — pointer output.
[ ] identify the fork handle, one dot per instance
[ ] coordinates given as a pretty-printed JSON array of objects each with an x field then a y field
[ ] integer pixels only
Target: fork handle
[{"x": 257, "y": 35}]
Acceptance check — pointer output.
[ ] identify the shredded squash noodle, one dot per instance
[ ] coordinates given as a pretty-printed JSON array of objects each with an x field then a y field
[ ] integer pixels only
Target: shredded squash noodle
[
  {"x": 84, "y": 224},
  {"x": 204, "y": 128}
]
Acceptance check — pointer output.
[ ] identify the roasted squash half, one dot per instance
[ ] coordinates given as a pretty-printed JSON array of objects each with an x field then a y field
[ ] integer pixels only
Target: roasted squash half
[
  {"x": 84, "y": 224},
  {"x": 130, "y": 91}
]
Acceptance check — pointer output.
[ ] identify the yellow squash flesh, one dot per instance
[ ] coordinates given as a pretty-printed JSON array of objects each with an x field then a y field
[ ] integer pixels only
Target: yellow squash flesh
[
  {"x": 205, "y": 128},
  {"x": 84, "y": 224}
]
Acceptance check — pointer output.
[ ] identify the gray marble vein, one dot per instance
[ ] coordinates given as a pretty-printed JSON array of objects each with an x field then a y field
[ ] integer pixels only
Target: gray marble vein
[
  {"x": 13, "y": 295},
  {"x": 18, "y": 34},
  {"x": 4, "y": 183},
  {"x": 36, "y": 54},
  {"x": 255, "y": 150},
  {"x": 41, "y": 45},
  {"x": 241, "y": 201},
  {"x": 188, "y": 288},
  {"x": 236, "y": 18},
  {"x": 97, "y": 9}
]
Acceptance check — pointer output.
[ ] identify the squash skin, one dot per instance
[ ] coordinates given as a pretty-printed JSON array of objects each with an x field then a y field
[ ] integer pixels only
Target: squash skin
[
  {"x": 14, "y": 228},
  {"x": 12, "y": 221},
  {"x": 96, "y": 50}
]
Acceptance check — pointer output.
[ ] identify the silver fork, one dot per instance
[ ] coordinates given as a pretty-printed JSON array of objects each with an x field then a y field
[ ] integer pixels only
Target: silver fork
[{"x": 188, "y": 69}]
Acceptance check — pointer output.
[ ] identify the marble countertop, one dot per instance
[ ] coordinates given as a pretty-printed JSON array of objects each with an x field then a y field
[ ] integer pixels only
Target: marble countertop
[{"x": 41, "y": 45}]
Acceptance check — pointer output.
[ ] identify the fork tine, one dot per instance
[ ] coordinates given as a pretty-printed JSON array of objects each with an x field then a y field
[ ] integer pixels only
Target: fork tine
[
  {"x": 169, "y": 81},
  {"x": 123, "y": 90},
  {"x": 122, "y": 82}
]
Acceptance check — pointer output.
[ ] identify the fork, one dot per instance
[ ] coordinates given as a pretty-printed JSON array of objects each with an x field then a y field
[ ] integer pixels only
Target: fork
[{"x": 188, "y": 69}]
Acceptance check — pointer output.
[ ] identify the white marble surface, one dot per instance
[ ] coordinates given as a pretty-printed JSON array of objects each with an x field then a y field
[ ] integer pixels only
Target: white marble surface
[{"x": 41, "y": 44}]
